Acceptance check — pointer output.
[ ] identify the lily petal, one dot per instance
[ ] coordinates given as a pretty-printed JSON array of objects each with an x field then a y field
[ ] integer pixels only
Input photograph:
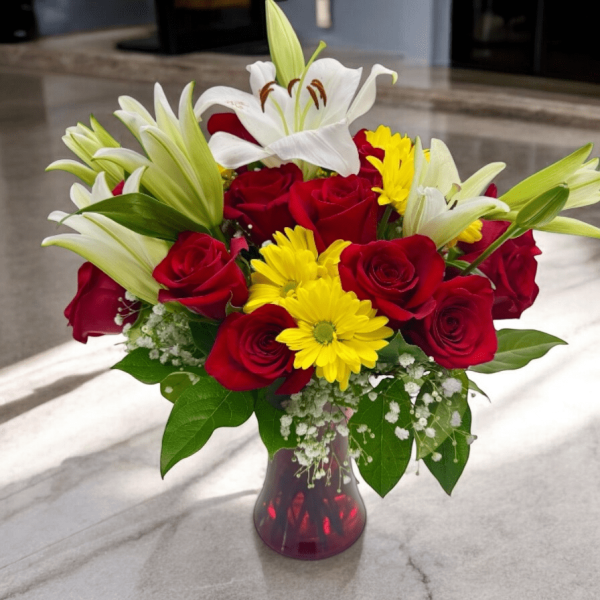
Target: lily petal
[
  {"x": 340, "y": 84},
  {"x": 232, "y": 152},
  {"x": 366, "y": 96},
  {"x": 449, "y": 224},
  {"x": 261, "y": 125},
  {"x": 330, "y": 147},
  {"x": 479, "y": 181},
  {"x": 442, "y": 172}
]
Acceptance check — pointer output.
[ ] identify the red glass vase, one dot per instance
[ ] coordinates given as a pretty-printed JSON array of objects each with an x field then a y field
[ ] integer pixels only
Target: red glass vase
[{"x": 310, "y": 523}]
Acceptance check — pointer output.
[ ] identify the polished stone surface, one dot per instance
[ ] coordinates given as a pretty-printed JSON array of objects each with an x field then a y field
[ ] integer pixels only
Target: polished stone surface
[
  {"x": 440, "y": 88},
  {"x": 84, "y": 513}
]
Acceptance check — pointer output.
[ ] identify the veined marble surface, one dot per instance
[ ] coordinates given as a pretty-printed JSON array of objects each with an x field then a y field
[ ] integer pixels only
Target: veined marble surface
[{"x": 85, "y": 515}]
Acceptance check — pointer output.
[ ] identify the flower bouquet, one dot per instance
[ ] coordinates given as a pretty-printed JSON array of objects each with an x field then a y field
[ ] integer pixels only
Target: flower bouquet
[{"x": 339, "y": 288}]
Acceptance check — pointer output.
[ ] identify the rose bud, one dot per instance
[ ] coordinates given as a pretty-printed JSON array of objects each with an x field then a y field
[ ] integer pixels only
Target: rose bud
[
  {"x": 259, "y": 200},
  {"x": 459, "y": 333},
  {"x": 246, "y": 356},
  {"x": 336, "y": 208},
  {"x": 398, "y": 276},
  {"x": 511, "y": 268},
  {"x": 201, "y": 274},
  {"x": 98, "y": 301}
]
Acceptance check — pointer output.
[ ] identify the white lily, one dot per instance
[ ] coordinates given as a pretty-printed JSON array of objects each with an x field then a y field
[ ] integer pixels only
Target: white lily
[
  {"x": 306, "y": 122},
  {"x": 84, "y": 143},
  {"x": 127, "y": 257},
  {"x": 439, "y": 205},
  {"x": 581, "y": 177},
  {"x": 180, "y": 169}
]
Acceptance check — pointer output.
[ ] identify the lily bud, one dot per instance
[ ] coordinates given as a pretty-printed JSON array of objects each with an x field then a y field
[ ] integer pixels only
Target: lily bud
[
  {"x": 543, "y": 208},
  {"x": 286, "y": 52}
]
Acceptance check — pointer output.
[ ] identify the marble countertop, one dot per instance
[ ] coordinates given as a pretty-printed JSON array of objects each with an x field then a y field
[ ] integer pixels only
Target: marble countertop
[
  {"x": 84, "y": 513},
  {"x": 532, "y": 99}
]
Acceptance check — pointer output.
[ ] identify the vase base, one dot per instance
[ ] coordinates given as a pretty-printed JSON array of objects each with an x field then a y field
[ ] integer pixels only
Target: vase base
[{"x": 311, "y": 528}]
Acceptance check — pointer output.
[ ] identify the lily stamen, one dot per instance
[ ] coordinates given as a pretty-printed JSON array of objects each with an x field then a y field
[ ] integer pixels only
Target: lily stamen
[
  {"x": 313, "y": 95},
  {"x": 291, "y": 84},
  {"x": 316, "y": 83},
  {"x": 264, "y": 93}
]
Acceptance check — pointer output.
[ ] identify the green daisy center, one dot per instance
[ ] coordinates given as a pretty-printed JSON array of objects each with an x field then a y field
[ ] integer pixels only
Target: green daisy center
[
  {"x": 290, "y": 286},
  {"x": 324, "y": 332}
]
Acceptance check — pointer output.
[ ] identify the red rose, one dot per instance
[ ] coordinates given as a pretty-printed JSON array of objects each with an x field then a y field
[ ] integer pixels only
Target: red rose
[
  {"x": 229, "y": 123},
  {"x": 259, "y": 199},
  {"x": 459, "y": 333},
  {"x": 365, "y": 149},
  {"x": 512, "y": 269},
  {"x": 399, "y": 276},
  {"x": 336, "y": 208},
  {"x": 98, "y": 301},
  {"x": 201, "y": 274},
  {"x": 118, "y": 189},
  {"x": 247, "y": 357}
]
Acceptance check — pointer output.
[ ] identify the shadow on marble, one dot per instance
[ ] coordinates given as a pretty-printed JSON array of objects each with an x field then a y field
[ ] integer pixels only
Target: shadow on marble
[{"x": 45, "y": 394}]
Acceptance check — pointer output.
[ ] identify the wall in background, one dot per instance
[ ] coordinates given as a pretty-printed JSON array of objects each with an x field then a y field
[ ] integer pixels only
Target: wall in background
[
  {"x": 56, "y": 17},
  {"x": 419, "y": 30}
]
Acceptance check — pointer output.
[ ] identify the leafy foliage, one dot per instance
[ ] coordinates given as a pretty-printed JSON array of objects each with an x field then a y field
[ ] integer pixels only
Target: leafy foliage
[
  {"x": 204, "y": 335},
  {"x": 455, "y": 454},
  {"x": 176, "y": 383},
  {"x": 390, "y": 455},
  {"x": 440, "y": 419},
  {"x": 398, "y": 346},
  {"x": 139, "y": 365},
  {"x": 517, "y": 348},
  {"x": 145, "y": 215},
  {"x": 269, "y": 427},
  {"x": 200, "y": 410}
]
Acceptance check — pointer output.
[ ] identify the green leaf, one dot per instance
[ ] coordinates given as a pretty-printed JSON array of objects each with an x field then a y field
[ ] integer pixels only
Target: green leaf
[
  {"x": 572, "y": 226},
  {"x": 172, "y": 386},
  {"x": 546, "y": 178},
  {"x": 543, "y": 208},
  {"x": 398, "y": 346},
  {"x": 516, "y": 348},
  {"x": 284, "y": 46},
  {"x": 463, "y": 264},
  {"x": 390, "y": 454},
  {"x": 200, "y": 410},
  {"x": 441, "y": 417},
  {"x": 454, "y": 457},
  {"x": 144, "y": 215},
  {"x": 204, "y": 335},
  {"x": 139, "y": 365},
  {"x": 269, "y": 427},
  {"x": 475, "y": 388}
]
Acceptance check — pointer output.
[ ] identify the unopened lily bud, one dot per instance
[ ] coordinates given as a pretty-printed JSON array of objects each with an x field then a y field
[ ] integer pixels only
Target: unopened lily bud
[
  {"x": 543, "y": 208},
  {"x": 286, "y": 52}
]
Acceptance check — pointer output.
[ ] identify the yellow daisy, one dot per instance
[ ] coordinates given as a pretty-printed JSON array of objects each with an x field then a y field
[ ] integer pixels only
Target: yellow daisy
[
  {"x": 470, "y": 235},
  {"x": 397, "y": 168},
  {"x": 278, "y": 277},
  {"x": 336, "y": 331},
  {"x": 292, "y": 262},
  {"x": 382, "y": 138}
]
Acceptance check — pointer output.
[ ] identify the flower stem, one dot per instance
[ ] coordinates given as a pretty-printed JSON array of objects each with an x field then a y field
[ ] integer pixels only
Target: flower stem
[
  {"x": 384, "y": 221},
  {"x": 218, "y": 234},
  {"x": 509, "y": 233}
]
